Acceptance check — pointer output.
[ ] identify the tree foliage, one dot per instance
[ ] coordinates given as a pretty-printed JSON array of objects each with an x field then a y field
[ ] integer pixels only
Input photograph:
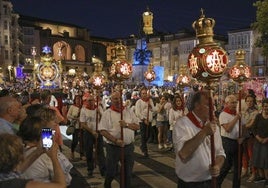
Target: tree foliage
[{"x": 261, "y": 25}]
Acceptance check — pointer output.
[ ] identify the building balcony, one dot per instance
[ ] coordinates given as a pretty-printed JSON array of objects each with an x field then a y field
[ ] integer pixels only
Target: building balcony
[{"x": 259, "y": 63}]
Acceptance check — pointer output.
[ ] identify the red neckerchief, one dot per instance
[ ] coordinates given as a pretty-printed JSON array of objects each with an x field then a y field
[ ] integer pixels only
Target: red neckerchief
[
  {"x": 114, "y": 108},
  {"x": 181, "y": 107},
  {"x": 194, "y": 120},
  {"x": 229, "y": 111},
  {"x": 78, "y": 106},
  {"x": 145, "y": 100},
  {"x": 91, "y": 107}
]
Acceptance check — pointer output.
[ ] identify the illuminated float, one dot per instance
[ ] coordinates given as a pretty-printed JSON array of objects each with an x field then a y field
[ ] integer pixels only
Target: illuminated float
[{"x": 48, "y": 70}]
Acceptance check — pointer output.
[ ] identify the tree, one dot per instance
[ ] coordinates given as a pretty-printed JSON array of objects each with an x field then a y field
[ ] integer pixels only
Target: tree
[{"x": 261, "y": 25}]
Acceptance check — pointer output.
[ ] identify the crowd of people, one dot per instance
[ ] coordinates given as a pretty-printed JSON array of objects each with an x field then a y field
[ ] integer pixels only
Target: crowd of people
[{"x": 105, "y": 128}]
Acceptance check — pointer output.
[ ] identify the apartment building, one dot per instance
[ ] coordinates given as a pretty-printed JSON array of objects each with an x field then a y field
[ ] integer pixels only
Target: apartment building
[{"x": 9, "y": 39}]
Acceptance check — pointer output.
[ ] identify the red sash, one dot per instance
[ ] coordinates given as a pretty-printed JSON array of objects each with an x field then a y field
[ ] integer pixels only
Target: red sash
[
  {"x": 229, "y": 111},
  {"x": 194, "y": 120},
  {"x": 116, "y": 109}
]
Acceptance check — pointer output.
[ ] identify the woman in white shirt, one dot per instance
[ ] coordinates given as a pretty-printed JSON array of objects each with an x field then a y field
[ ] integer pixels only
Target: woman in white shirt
[
  {"x": 73, "y": 116},
  {"x": 178, "y": 110}
]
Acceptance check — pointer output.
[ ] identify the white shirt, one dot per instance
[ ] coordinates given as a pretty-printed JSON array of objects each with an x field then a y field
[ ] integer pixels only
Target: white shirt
[
  {"x": 163, "y": 115},
  {"x": 225, "y": 118},
  {"x": 197, "y": 168},
  {"x": 110, "y": 122},
  {"x": 174, "y": 115},
  {"x": 141, "y": 110},
  {"x": 89, "y": 117},
  {"x": 72, "y": 113},
  {"x": 53, "y": 101},
  {"x": 42, "y": 168}
]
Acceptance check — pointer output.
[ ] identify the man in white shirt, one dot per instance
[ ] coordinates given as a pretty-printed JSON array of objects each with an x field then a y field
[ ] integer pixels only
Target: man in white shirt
[
  {"x": 144, "y": 109},
  {"x": 229, "y": 121},
  {"x": 110, "y": 127},
  {"x": 191, "y": 138},
  {"x": 92, "y": 137}
]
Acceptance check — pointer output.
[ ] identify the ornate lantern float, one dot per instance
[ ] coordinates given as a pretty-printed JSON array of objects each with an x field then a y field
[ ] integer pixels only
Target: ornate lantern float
[
  {"x": 98, "y": 80},
  {"x": 207, "y": 62},
  {"x": 183, "y": 79},
  {"x": 48, "y": 71},
  {"x": 150, "y": 74},
  {"x": 120, "y": 71},
  {"x": 240, "y": 73}
]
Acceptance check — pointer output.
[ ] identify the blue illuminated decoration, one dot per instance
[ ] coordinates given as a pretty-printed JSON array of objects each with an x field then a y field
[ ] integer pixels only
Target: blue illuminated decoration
[
  {"x": 46, "y": 50},
  {"x": 19, "y": 72},
  {"x": 159, "y": 79},
  {"x": 142, "y": 55}
]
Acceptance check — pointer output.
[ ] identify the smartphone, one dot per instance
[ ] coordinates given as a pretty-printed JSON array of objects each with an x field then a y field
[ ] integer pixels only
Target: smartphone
[{"x": 47, "y": 137}]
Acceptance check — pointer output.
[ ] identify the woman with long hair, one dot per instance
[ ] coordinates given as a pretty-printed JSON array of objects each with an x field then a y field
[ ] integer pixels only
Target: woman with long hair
[
  {"x": 178, "y": 110},
  {"x": 73, "y": 116}
]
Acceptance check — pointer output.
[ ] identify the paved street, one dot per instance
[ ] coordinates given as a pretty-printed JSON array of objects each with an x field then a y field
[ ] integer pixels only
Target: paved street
[{"x": 155, "y": 172}]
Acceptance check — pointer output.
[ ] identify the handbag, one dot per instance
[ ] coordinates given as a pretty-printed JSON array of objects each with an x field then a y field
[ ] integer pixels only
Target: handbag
[{"x": 71, "y": 128}]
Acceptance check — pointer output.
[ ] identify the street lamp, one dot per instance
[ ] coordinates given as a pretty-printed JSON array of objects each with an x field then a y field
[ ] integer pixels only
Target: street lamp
[{"x": 207, "y": 62}]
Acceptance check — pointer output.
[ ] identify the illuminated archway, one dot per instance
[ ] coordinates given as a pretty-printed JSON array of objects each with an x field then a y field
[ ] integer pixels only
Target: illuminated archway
[
  {"x": 63, "y": 48},
  {"x": 80, "y": 53}
]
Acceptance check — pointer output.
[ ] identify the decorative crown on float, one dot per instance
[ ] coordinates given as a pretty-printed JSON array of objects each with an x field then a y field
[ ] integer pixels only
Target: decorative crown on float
[
  {"x": 120, "y": 69},
  {"x": 207, "y": 61},
  {"x": 240, "y": 72}
]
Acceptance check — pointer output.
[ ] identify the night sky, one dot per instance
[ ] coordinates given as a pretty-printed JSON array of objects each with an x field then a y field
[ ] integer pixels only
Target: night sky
[{"x": 121, "y": 18}]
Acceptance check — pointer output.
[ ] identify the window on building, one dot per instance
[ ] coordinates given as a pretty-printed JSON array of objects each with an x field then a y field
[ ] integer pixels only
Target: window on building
[
  {"x": 27, "y": 51},
  {"x": 232, "y": 41},
  {"x": 5, "y": 25},
  {"x": 175, "y": 51},
  {"x": 245, "y": 40},
  {"x": 260, "y": 72},
  {"x": 28, "y": 30},
  {"x": 6, "y": 54},
  {"x": 5, "y": 9},
  {"x": 239, "y": 41},
  {"x": 6, "y": 39}
]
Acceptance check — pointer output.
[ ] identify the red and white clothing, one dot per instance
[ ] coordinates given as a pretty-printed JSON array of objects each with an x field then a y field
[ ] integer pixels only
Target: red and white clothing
[
  {"x": 88, "y": 116},
  {"x": 141, "y": 110},
  {"x": 225, "y": 118},
  {"x": 110, "y": 122},
  {"x": 197, "y": 168},
  {"x": 174, "y": 115}
]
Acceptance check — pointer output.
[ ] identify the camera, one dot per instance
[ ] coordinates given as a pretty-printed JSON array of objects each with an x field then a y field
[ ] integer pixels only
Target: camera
[{"x": 47, "y": 137}]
